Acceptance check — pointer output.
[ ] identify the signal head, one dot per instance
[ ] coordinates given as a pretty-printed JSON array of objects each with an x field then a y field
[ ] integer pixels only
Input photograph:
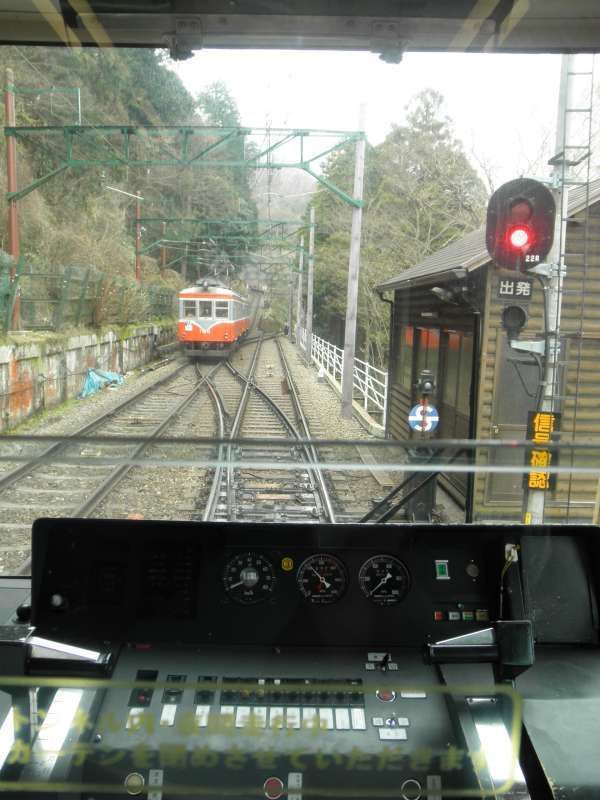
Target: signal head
[
  {"x": 514, "y": 319},
  {"x": 520, "y": 224}
]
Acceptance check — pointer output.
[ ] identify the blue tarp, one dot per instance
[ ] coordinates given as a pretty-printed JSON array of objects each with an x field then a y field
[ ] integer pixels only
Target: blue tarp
[{"x": 96, "y": 379}]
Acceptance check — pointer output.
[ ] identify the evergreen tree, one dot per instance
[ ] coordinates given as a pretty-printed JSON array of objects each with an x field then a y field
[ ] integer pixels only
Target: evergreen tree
[
  {"x": 420, "y": 194},
  {"x": 218, "y": 107}
]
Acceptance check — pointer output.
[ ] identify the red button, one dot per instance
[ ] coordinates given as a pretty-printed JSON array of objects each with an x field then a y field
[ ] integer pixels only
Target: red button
[
  {"x": 438, "y": 616},
  {"x": 273, "y": 788},
  {"x": 386, "y": 695}
]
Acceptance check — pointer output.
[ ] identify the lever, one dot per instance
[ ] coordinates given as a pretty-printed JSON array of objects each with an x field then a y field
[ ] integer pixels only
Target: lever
[{"x": 508, "y": 644}]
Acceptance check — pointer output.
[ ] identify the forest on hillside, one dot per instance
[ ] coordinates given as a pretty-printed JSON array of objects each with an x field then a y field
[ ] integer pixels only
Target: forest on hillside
[
  {"x": 73, "y": 219},
  {"x": 420, "y": 193}
]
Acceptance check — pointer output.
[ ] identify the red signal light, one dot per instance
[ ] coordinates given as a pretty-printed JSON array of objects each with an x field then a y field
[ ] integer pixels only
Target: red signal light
[
  {"x": 520, "y": 224},
  {"x": 519, "y": 237}
]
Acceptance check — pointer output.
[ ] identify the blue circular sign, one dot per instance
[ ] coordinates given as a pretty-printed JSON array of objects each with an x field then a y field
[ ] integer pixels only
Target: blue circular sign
[{"x": 423, "y": 418}]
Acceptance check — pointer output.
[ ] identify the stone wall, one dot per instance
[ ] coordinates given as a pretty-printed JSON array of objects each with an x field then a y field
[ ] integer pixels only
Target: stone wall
[{"x": 38, "y": 371}]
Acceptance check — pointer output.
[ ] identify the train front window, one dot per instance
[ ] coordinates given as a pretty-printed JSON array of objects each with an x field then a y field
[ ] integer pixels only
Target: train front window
[
  {"x": 189, "y": 308},
  {"x": 205, "y": 309}
]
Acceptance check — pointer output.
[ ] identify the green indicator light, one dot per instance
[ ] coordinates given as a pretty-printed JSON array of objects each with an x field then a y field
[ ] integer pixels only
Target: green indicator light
[{"x": 441, "y": 570}]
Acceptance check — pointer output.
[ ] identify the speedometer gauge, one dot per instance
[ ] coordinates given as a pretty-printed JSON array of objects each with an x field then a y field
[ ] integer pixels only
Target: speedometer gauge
[
  {"x": 322, "y": 579},
  {"x": 384, "y": 580},
  {"x": 249, "y": 578}
]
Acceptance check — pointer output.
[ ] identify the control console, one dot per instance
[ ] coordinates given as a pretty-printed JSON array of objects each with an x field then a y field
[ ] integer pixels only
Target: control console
[{"x": 222, "y": 659}]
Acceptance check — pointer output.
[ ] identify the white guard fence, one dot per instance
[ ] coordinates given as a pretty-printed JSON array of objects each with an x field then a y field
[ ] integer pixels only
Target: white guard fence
[{"x": 370, "y": 383}]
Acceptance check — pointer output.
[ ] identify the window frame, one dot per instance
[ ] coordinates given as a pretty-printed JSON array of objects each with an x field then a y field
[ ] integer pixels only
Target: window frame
[
  {"x": 217, "y": 309},
  {"x": 208, "y": 303},
  {"x": 189, "y": 301}
]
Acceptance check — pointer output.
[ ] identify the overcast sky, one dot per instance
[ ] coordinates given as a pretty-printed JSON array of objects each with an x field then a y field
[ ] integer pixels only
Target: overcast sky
[{"x": 503, "y": 106}]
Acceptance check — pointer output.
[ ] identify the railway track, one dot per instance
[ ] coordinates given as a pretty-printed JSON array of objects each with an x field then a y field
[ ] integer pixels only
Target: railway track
[
  {"x": 353, "y": 492},
  {"x": 268, "y": 408},
  {"x": 46, "y": 484},
  {"x": 251, "y": 397}
]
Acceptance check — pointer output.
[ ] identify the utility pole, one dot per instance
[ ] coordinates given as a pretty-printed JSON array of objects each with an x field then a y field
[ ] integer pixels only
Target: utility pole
[
  {"x": 555, "y": 269},
  {"x": 299, "y": 297},
  {"x": 163, "y": 252},
  {"x": 138, "y": 227},
  {"x": 184, "y": 264},
  {"x": 11, "y": 181},
  {"x": 138, "y": 237},
  {"x": 353, "y": 272},
  {"x": 309, "y": 287}
]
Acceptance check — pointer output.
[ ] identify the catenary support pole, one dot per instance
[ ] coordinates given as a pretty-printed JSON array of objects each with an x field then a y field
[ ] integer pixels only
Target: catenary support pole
[
  {"x": 299, "y": 297},
  {"x": 11, "y": 181},
  {"x": 138, "y": 238},
  {"x": 537, "y": 497},
  {"x": 163, "y": 251},
  {"x": 184, "y": 264},
  {"x": 309, "y": 286},
  {"x": 353, "y": 273}
]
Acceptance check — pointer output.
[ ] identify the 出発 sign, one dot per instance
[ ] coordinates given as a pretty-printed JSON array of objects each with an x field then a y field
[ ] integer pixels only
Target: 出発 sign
[{"x": 520, "y": 288}]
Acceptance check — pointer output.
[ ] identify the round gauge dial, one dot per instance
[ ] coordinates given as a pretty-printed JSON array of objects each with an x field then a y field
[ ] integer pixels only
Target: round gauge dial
[
  {"x": 322, "y": 579},
  {"x": 249, "y": 578},
  {"x": 384, "y": 580}
]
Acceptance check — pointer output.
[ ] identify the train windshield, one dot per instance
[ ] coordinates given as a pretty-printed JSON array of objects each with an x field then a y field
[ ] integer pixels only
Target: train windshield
[
  {"x": 299, "y": 419},
  {"x": 349, "y": 283}
]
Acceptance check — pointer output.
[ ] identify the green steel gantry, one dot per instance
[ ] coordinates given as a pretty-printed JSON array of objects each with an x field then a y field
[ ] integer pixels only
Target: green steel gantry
[
  {"x": 81, "y": 146},
  {"x": 275, "y": 235},
  {"x": 271, "y": 242},
  {"x": 185, "y": 146}
]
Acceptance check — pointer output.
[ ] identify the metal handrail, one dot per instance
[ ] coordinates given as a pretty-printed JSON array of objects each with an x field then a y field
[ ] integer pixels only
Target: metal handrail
[{"x": 371, "y": 382}]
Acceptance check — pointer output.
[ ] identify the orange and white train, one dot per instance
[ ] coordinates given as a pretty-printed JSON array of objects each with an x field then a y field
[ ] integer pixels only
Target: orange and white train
[{"x": 212, "y": 320}]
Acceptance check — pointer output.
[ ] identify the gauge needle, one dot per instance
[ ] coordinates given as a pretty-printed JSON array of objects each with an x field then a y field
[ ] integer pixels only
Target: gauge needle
[
  {"x": 381, "y": 582},
  {"x": 321, "y": 578},
  {"x": 235, "y": 585}
]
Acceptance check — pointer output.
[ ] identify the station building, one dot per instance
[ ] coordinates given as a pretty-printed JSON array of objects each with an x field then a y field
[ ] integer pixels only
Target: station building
[{"x": 446, "y": 316}]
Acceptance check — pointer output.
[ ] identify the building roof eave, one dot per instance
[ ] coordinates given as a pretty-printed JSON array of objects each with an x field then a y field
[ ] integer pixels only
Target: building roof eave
[{"x": 453, "y": 274}]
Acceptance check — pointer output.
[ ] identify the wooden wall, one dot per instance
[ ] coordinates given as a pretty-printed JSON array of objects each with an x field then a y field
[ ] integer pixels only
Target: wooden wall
[{"x": 573, "y": 500}]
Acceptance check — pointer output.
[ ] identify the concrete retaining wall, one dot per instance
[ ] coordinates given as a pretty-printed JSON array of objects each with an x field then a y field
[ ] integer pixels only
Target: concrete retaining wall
[{"x": 38, "y": 371}]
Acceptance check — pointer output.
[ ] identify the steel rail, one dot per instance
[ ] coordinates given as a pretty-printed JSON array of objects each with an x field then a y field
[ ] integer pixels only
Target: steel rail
[
  {"x": 248, "y": 382},
  {"x": 225, "y": 449},
  {"x": 315, "y": 486},
  {"x": 310, "y": 449},
  {"x": 264, "y": 337},
  {"x": 209, "y": 508},
  {"x": 11, "y": 477},
  {"x": 117, "y": 475},
  {"x": 316, "y": 476}
]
